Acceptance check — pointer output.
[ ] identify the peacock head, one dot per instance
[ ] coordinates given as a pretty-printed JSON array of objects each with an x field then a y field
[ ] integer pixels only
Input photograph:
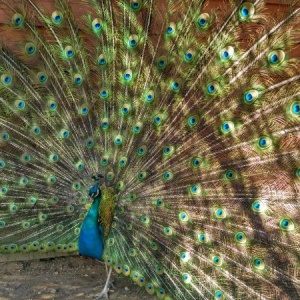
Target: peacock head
[{"x": 95, "y": 189}]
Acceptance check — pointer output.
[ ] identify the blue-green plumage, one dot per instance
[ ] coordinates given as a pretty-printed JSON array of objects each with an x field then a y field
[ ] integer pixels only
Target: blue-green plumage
[{"x": 91, "y": 238}]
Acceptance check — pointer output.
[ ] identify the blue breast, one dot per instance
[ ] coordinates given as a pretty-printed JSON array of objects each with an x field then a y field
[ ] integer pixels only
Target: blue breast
[{"x": 91, "y": 238}]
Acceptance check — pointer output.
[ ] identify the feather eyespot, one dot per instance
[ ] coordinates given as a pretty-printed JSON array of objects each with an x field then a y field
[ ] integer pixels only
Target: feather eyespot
[
  {"x": 136, "y": 5},
  {"x": 64, "y": 133},
  {"x": 20, "y": 104},
  {"x": 6, "y": 79},
  {"x": 212, "y": 88},
  {"x": 220, "y": 213},
  {"x": 241, "y": 238},
  {"x": 123, "y": 162},
  {"x": 57, "y": 17},
  {"x": 258, "y": 264},
  {"x": 203, "y": 21},
  {"x": 295, "y": 109},
  {"x": 30, "y": 48},
  {"x": 276, "y": 57},
  {"x": 246, "y": 11},
  {"x": 105, "y": 123},
  {"x": 69, "y": 52},
  {"x": 96, "y": 25},
  {"x": 137, "y": 128},
  {"x": 78, "y": 79},
  {"x": 227, "y": 127},
  {"x": 219, "y": 295},
  {"x": 118, "y": 140},
  {"x": 127, "y": 75},
  {"x": 226, "y": 54},
  {"x": 42, "y": 77},
  {"x": 171, "y": 29},
  {"x": 287, "y": 224},
  {"x": 17, "y": 20},
  {"x": 133, "y": 41}
]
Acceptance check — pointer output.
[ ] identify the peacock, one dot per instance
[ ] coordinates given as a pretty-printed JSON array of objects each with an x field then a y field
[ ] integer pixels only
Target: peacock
[{"x": 159, "y": 137}]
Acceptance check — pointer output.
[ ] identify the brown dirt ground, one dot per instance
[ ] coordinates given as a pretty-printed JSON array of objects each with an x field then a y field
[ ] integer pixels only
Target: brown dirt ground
[{"x": 62, "y": 278}]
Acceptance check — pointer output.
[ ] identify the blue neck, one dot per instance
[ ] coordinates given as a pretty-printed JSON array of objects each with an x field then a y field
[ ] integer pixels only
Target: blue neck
[{"x": 93, "y": 212}]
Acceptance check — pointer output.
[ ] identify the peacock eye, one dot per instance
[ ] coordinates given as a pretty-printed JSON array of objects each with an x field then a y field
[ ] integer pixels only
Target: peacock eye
[
  {"x": 161, "y": 62},
  {"x": 104, "y": 93},
  {"x": 105, "y": 123},
  {"x": 69, "y": 52},
  {"x": 20, "y": 104},
  {"x": 142, "y": 151},
  {"x": 246, "y": 11},
  {"x": 30, "y": 48},
  {"x": 83, "y": 110},
  {"x": 212, "y": 88},
  {"x": 227, "y": 127},
  {"x": 241, "y": 238},
  {"x": 230, "y": 175},
  {"x": 135, "y": 5},
  {"x": 276, "y": 57},
  {"x": 17, "y": 20},
  {"x": 287, "y": 224},
  {"x": 36, "y": 130},
  {"x": 226, "y": 54},
  {"x": 125, "y": 110},
  {"x": 295, "y": 109},
  {"x": 192, "y": 121},
  {"x": 157, "y": 120},
  {"x": 6, "y": 79},
  {"x": 258, "y": 264},
  {"x": 171, "y": 29},
  {"x": 219, "y": 295},
  {"x": 149, "y": 96},
  {"x": 175, "y": 85},
  {"x": 264, "y": 142},
  {"x": 195, "y": 190},
  {"x": 96, "y": 25},
  {"x": 64, "y": 133},
  {"x": 133, "y": 41},
  {"x": 42, "y": 77},
  {"x": 186, "y": 278},
  {"x": 78, "y": 79},
  {"x": 57, "y": 17},
  {"x": 118, "y": 140},
  {"x": 127, "y": 75},
  {"x": 142, "y": 175},
  {"x": 220, "y": 213},
  {"x": 250, "y": 96},
  {"x": 137, "y": 128},
  {"x": 203, "y": 21},
  {"x": 168, "y": 231},
  {"x": 102, "y": 60},
  {"x": 123, "y": 162}
]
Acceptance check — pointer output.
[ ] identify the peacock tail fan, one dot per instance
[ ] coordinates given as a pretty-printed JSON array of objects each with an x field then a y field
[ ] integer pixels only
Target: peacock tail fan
[{"x": 190, "y": 110}]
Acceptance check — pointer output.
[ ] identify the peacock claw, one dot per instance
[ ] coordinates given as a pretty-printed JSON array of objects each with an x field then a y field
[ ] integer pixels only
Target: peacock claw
[
  {"x": 103, "y": 294},
  {"x": 108, "y": 284},
  {"x": 105, "y": 291}
]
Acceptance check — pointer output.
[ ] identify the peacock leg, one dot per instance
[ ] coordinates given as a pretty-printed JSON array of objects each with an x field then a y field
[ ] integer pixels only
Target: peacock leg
[{"x": 108, "y": 284}]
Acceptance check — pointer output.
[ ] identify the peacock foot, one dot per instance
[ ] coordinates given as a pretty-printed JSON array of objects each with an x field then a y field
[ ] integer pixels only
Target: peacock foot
[
  {"x": 103, "y": 294},
  {"x": 109, "y": 284}
]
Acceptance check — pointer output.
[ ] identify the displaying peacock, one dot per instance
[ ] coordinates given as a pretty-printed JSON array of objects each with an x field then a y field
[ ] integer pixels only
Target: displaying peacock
[{"x": 186, "y": 114}]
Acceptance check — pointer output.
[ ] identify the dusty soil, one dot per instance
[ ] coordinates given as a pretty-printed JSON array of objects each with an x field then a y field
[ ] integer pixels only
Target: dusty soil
[{"x": 62, "y": 278}]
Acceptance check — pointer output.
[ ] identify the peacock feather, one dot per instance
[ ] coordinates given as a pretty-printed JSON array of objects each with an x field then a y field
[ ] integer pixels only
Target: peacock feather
[{"x": 191, "y": 112}]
